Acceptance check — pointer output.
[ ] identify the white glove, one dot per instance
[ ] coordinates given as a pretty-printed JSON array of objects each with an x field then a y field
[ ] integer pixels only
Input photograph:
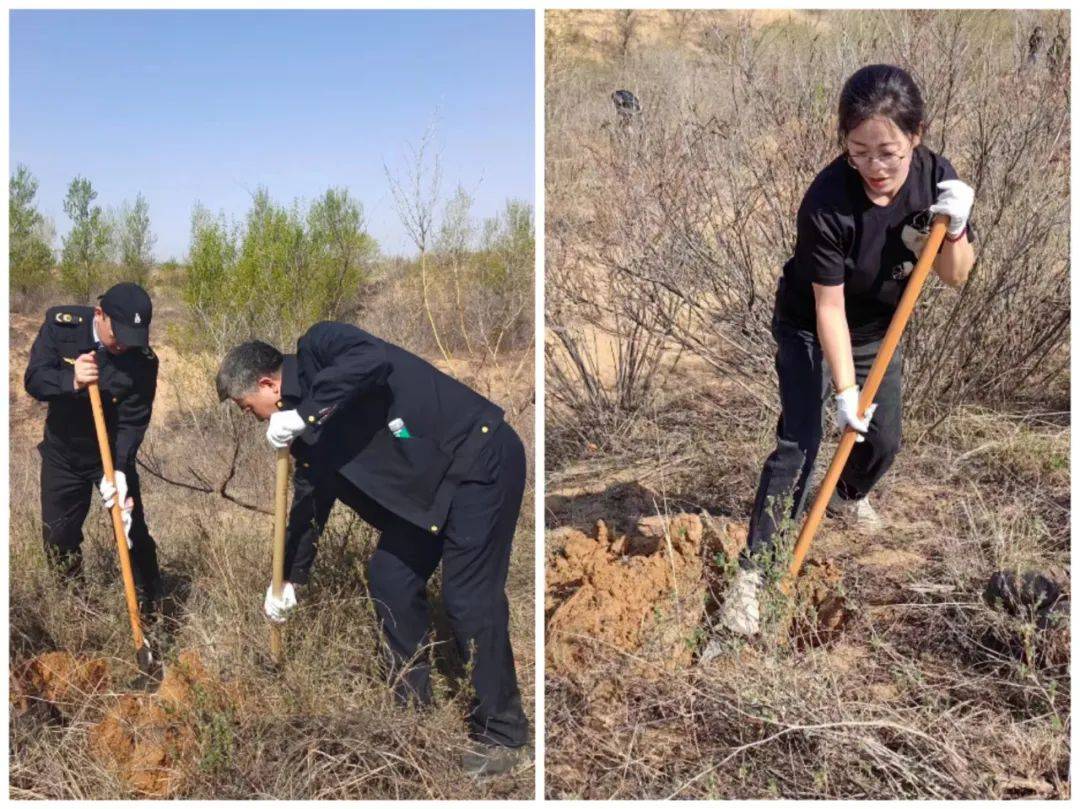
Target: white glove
[
  {"x": 277, "y": 609},
  {"x": 125, "y": 518},
  {"x": 108, "y": 490},
  {"x": 285, "y": 425},
  {"x": 847, "y": 413},
  {"x": 954, "y": 200}
]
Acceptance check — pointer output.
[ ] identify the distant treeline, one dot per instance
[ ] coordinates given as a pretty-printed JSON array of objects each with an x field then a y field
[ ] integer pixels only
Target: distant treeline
[{"x": 283, "y": 267}]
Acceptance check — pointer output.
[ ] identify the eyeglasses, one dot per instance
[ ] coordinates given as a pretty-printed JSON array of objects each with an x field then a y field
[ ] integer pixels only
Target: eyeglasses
[{"x": 890, "y": 161}]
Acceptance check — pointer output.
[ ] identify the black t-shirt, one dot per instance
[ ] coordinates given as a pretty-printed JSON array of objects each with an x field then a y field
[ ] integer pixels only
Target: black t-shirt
[{"x": 844, "y": 238}]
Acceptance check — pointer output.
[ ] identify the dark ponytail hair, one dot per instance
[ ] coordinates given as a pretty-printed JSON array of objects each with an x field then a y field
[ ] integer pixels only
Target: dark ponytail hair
[{"x": 881, "y": 90}]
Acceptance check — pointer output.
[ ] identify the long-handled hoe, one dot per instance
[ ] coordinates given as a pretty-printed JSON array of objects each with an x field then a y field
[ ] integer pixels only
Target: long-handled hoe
[
  {"x": 281, "y": 491},
  {"x": 866, "y": 398},
  {"x": 148, "y": 665}
]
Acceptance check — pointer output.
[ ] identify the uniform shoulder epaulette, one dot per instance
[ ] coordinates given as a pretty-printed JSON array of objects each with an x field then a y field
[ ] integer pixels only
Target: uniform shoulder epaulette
[{"x": 63, "y": 316}]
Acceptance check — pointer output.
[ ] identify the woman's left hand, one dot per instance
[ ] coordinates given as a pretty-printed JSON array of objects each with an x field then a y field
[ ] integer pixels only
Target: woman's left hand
[{"x": 955, "y": 198}]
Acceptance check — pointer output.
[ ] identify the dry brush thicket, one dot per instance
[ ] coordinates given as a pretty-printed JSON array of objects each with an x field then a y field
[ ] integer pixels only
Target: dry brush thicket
[
  {"x": 684, "y": 218},
  {"x": 665, "y": 238}
]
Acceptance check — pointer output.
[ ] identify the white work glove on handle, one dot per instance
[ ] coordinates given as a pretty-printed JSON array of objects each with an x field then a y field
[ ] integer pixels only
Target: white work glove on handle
[
  {"x": 108, "y": 490},
  {"x": 954, "y": 200},
  {"x": 277, "y": 609},
  {"x": 125, "y": 518},
  {"x": 285, "y": 425},
  {"x": 108, "y": 493},
  {"x": 847, "y": 413}
]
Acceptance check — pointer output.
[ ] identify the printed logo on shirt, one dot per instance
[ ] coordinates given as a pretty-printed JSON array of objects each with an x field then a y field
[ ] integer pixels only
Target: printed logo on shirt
[{"x": 913, "y": 234}]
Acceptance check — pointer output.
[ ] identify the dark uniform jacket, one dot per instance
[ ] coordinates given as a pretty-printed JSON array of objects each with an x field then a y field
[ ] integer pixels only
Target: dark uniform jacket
[
  {"x": 348, "y": 386},
  {"x": 128, "y": 382}
]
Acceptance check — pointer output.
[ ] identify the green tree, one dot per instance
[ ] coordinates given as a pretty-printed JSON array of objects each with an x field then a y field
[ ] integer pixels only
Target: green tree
[
  {"x": 271, "y": 271},
  {"x": 508, "y": 245},
  {"x": 136, "y": 241},
  {"x": 30, "y": 254},
  {"x": 211, "y": 267},
  {"x": 280, "y": 271},
  {"x": 505, "y": 269},
  {"x": 86, "y": 247},
  {"x": 342, "y": 254}
]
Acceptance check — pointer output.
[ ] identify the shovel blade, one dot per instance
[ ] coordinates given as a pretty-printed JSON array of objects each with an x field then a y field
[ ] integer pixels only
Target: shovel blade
[{"x": 150, "y": 666}]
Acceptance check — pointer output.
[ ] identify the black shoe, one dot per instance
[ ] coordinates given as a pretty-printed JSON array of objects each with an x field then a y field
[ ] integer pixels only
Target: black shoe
[
  {"x": 150, "y": 610},
  {"x": 151, "y": 600},
  {"x": 493, "y": 759}
]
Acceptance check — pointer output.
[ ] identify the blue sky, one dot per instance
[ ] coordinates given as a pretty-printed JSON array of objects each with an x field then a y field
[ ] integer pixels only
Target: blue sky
[{"x": 206, "y": 106}]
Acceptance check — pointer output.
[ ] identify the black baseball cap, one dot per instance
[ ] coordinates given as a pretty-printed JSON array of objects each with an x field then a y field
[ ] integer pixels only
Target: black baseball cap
[{"x": 129, "y": 308}]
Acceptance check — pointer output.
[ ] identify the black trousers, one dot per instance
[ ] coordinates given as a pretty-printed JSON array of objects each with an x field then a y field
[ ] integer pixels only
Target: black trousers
[
  {"x": 804, "y": 388},
  {"x": 68, "y": 483},
  {"x": 474, "y": 548}
]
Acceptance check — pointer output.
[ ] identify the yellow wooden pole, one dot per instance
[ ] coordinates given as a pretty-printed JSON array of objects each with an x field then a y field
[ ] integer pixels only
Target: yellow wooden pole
[
  {"x": 117, "y": 518},
  {"x": 281, "y": 492}
]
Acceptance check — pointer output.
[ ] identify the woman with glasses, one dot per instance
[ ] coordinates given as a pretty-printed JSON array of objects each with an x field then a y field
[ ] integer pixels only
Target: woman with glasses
[{"x": 860, "y": 228}]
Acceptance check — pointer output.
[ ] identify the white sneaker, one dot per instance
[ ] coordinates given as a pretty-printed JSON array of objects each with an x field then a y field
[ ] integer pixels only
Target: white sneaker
[
  {"x": 740, "y": 613},
  {"x": 857, "y": 512}
]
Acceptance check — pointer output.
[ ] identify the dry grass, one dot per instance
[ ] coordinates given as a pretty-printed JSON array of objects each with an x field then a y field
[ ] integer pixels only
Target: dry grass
[
  {"x": 917, "y": 696},
  {"x": 325, "y": 727}
]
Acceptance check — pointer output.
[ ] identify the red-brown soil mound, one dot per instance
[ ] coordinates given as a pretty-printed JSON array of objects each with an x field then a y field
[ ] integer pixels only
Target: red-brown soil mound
[
  {"x": 643, "y": 594},
  {"x": 149, "y": 740}
]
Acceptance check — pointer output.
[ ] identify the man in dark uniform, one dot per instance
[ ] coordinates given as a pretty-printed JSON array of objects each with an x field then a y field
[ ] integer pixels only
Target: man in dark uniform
[
  {"x": 433, "y": 466},
  {"x": 107, "y": 344}
]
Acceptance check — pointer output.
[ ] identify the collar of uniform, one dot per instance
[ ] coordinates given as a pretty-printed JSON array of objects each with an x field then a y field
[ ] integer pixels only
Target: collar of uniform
[
  {"x": 291, "y": 392},
  {"x": 94, "y": 335},
  {"x": 87, "y": 333}
]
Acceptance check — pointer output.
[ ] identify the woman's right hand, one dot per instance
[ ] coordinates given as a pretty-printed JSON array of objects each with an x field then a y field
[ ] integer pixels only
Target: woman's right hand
[
  {"x": 86, "y": 370},
  {"x": 954, "y": 200},
  {"x": 847, "y": 413}
]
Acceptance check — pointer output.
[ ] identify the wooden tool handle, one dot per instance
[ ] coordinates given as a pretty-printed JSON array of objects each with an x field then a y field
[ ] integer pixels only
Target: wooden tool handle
[
  {"x": 281, "y": 495},
  {"x": 117, "y": 517},
  {"x": 866, "y": 397}
]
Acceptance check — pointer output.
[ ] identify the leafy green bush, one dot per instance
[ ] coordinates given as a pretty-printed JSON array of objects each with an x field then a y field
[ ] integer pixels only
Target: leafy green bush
[{"x": 279, "y": 272}]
